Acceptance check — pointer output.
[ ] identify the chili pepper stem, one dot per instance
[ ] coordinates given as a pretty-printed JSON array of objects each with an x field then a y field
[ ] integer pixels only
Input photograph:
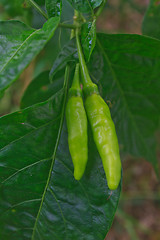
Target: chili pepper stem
[
  {"x": 64, "y": 25},
  {"x": 86, "y": 80},
  {"x": 75, "y": 83}
]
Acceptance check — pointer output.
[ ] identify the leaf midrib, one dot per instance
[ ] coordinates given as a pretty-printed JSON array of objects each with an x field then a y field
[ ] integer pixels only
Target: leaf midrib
[{"x": 65, "y": 87}]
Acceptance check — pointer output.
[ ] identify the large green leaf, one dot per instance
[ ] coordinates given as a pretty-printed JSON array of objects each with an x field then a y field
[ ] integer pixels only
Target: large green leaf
[
  {"x": 19, "y": 44},
  {"x": 27, "y": 142},
  {"x": 53, "y": 7},
  {"x": 40, "y": 89},
  {"x": 76, "y": 209},
  {"x": 85, "y": 6},
  {"x": 151, "y": 21},
  {"x": 39, "y": 198},
  {"x": 127, "y": 70}
]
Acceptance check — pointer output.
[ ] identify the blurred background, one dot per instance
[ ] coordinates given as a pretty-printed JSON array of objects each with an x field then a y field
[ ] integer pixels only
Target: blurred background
[{"x": 138, "y": 214}]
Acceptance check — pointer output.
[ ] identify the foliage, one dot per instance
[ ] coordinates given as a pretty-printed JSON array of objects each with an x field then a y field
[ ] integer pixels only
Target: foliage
[
  {"x": 39, "y": 198},
  {"x": 152, "y": 17}
]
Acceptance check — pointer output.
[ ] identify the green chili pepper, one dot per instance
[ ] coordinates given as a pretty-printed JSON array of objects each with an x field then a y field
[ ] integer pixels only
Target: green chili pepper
[
  {"x": 102, "y": 126},
  {"x": 105, "y": 137},
  {"x": 77, "y": 127}
]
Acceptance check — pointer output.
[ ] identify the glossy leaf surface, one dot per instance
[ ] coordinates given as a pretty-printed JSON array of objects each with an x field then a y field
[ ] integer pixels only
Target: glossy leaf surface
[
  {"x": 53, "y": 7},
  {"x": 19, "y": 44},
  {"x": 77, "y": 209},
  {"x": 126, "y": 68},
  {"x": 85, "y": 6},
  {"x": 88, "y": 38},
  {"x": 151, "y": 20},
  {"x": 28, "y": 139}
]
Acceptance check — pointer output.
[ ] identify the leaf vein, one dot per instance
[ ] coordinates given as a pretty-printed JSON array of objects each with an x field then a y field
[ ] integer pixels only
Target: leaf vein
[
  {"x": 19, "y": 204},
  {"x": 64, "y": 220},
  {"x": 24, "y": 168},
  {"x": 19, "y": 48}
]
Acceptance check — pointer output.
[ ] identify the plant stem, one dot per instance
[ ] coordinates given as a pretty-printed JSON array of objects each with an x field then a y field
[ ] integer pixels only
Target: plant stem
[
  {"x": 75, "y": 83},
  {"x": 75, "y": 23},
  {"x": 83, "y": 18},
  {"x": 37, "y": 7},
  {"x": 100, "y": 9},
  {"x": 86, "y": 80},
  {"x": 63, "y": 25}
]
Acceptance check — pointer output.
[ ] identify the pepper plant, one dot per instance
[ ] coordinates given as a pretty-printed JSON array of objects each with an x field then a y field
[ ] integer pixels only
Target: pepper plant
[{"x": 39, "y": 197}]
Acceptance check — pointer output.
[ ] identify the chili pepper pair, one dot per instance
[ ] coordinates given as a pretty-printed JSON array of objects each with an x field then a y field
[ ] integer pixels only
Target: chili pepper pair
[{"x": 102, "y": 126}]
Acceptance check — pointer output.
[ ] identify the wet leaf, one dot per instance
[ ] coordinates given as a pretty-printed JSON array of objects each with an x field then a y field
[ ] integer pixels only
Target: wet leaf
[
  {"x": 19, "y": 44},
  {"x": 88, "y": 38},
  {"x": 54, "y": 7}
]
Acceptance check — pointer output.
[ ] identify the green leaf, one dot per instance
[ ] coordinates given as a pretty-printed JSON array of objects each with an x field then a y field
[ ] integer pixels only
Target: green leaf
[
  {"x": 151, "y": 20},
  {"x": 16, "y": 125},
  {"x": 126, "y": 68},
  {"x": 27, "y": 142},
  {"x": 41, "y": 89},
  {"x": 54, "y": 7},
  {"x": 68, "y": 53},
  {"x": 76, "y": 209},
  {"x": 88, "y": 38},
  {"x": 37, "y": 187},
  {"x": 19, "y": 44},
  {"x": 85, "y": 6}
]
